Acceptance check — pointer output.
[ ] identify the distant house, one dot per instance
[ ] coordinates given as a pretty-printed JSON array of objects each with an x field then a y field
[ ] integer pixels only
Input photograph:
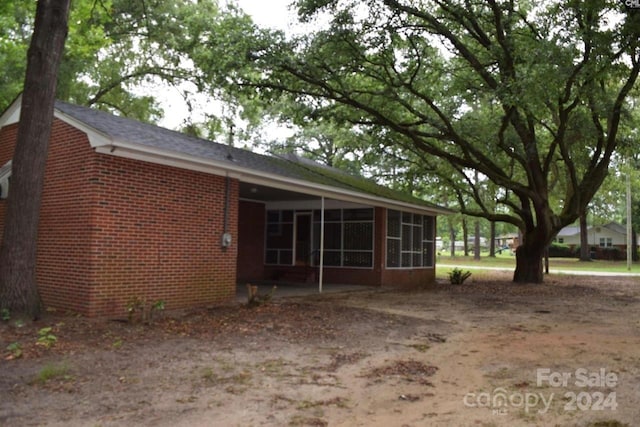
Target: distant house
[
  {"x": 604, "y": 236},
  {"x": 471, "y": 241},
  {"x": 510, "y": 240},
  {"x": 600, "y": 238},
  {"x": 132, "y": 210}
]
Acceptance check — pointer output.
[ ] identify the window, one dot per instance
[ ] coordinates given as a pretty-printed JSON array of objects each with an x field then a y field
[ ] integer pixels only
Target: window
[
  {"x": 410, "y": 240},
  {"x": 606, "y": 242},
  {"x": 279, "y": 239},
  {"x": 348, "y": 237}
]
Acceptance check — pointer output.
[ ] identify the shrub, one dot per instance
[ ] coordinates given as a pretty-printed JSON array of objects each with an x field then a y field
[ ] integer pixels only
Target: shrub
[
  {"x": 612, "y": 254},
  {"x": 559, "y": 250},
  {"x": 457, "y": 276}
]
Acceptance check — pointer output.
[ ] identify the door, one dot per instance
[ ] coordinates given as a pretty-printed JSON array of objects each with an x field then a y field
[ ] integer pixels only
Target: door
[{"x": 303, "y": 229}]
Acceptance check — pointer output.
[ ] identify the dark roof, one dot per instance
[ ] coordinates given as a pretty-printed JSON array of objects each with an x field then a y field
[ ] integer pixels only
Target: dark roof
[
  {"x": 572, "y": 230},
  {"x": 290, "y": 166}
]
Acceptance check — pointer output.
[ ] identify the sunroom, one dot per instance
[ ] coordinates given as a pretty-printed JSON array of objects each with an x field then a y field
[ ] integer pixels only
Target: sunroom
[{"x": 291, "y": 237}]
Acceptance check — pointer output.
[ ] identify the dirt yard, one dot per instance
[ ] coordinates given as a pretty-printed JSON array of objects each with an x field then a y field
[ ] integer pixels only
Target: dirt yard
[{"x": 487, "y": 353}]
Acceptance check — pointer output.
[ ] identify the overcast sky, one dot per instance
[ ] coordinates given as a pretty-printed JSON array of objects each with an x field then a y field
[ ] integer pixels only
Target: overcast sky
[{"x": 268, "y": 13}]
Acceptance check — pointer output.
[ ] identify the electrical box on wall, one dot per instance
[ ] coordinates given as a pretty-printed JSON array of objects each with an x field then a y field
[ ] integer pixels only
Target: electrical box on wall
[{"x": 226, "y": 240}]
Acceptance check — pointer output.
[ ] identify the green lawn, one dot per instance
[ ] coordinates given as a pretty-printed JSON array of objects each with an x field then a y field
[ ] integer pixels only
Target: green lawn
[{"x": 509, "y": 261}]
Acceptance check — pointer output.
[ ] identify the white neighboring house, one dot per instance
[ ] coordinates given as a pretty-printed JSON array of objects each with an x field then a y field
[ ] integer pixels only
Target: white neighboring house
[{"x": 604, "y": 236}]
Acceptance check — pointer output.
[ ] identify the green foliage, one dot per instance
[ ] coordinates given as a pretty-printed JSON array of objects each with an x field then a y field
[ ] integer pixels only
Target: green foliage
[
  {"x": 114, "y": 48},
  {"x": 16, "y": 350},
  {"x": 457, "y": 276},
  {"x": 139, "y": 310},
  {"x": 5, "y": 314},
  {"x": 560, "y": 250},
  {"x": 46, "y": 338},
  {"x": 532, "y": 97}
]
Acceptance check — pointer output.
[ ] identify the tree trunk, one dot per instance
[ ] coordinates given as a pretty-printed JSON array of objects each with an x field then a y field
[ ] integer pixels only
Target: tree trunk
[
  {"x": 476, "y": 241},
  {"x": 585, "y": 252},
  {"x": 465, "y": 237},
  {"x": 529, "y": 257},
  {"x": 452, "y": 237},
  {"x": 492, "y": 240},
  {"x": 18, "y": 287}
]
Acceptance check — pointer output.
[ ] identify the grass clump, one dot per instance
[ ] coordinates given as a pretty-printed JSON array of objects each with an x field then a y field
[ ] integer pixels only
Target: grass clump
[{"x": 52, "y": 371}]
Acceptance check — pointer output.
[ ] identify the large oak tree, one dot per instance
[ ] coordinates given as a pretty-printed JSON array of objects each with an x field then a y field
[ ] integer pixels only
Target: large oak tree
[
  {"x": 18, "y": 286},
  {"x": 530, "y": 95}
]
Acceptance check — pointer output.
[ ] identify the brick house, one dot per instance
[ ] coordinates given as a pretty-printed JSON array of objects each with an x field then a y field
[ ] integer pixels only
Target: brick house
[{"x": 132, "y": 210}]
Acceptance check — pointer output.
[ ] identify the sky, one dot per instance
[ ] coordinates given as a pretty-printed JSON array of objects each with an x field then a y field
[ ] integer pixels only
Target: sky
[{"x": 268, "y": 13}]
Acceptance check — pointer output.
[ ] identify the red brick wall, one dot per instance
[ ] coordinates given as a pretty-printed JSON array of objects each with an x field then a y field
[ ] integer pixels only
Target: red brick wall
[
  {"x": 113, "y": 229},
  {"x": 64, "y": 235},
  {"x": 251, "y": 233}
]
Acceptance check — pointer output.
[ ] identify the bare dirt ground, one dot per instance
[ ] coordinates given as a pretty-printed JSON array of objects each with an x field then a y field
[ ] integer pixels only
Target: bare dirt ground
[{"x": 487, "y": 353}]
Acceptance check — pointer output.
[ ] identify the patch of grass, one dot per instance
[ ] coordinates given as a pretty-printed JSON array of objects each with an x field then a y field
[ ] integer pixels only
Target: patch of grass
[
  {"x": 299, "y": 420},
  {"x": 52, "y": 371},
  {"x": 16, "y": 350},
  {"x": 608, "y": 423},
  {"x": 509, "y": 262},
  {"x": 420, "y": 347},
  {"x": 208, "y": 374},
  {"x": 273, "y": 366},
  {"x": 337, "y": 401}
]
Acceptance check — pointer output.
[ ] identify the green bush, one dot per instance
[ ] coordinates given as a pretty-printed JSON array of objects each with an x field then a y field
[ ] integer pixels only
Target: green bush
[
  {"x": 612, "y": 254},
  {"x": 457, "y": 276},
  {"x": 559, "y": 250}
]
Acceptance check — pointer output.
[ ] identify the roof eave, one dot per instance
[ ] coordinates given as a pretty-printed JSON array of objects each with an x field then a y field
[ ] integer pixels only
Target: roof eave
[
  {"x": 184, "y": 161},
  {"x": 106, "y": 144}
]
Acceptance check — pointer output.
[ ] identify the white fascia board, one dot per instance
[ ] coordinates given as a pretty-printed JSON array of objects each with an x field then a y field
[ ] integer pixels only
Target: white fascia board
[
  {"x": 170, "y": 159},
  {"x": 319, "y": 190},
  {"x": 12, "y": 114},
  {"x": 96, "y": 138},
  {"x": 313, "y": 204}
]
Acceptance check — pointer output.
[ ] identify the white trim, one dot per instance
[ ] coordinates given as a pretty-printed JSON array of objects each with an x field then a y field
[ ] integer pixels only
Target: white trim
[
  {"x": 245, "y": 199},
  {"x": 5, "y": 174},
  {"x": 96, "y": 138},
  {"x": 315, "y": 204}
]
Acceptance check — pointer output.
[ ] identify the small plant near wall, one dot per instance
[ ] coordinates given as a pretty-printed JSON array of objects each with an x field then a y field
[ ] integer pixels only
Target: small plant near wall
[
  {"x": 457, "y": 276},
  {"x": 156, "y": 309},
  {"x": 256, "y": 299},
  {"x": 15, "y": 350},
  {"x": 46, "y": 338},
  {"x": 135, "y": 310},
  {"x": 138, "y": 310}
]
